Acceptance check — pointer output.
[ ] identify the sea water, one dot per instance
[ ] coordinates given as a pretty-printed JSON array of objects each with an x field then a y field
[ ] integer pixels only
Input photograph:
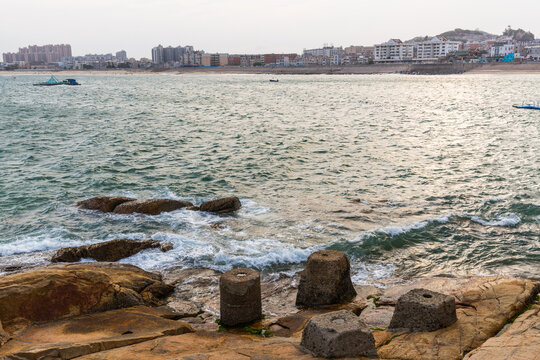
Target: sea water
[{"x": 409, "y": 175}]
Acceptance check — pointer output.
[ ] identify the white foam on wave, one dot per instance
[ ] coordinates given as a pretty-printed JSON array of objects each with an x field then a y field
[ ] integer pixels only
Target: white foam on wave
[
  {"x": 508, "y": 220},
  {"x": 493, "y": 200},
  {"x": 251, "y": 208},
  {"x": 365, "y": 273},
  {"x": 38, "y": 243},
  {"x": 257, "y": 253},
  {"x": 395, "y": 230}
]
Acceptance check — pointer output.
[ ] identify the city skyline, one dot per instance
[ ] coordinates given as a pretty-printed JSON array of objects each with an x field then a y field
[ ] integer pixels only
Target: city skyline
[{"x": 241, "y": 27}]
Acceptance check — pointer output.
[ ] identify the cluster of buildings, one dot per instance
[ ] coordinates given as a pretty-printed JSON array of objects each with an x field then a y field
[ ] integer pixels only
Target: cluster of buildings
[
  {"x": 46, "y": 54},
  {"x": 60, "y": 56},
  {"x": 186, "y": 56},
  {"x": 438, "y": 49}
]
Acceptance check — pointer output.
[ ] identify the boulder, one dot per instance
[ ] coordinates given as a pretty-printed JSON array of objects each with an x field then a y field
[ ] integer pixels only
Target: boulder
[
  {"x": 151, "y": 206},
  {"x": 240, "y": 297},
  {"x": 326, "y": 280},
  {"x": 338, "y": 334},
  {"x": 103, "y": 203},
  {"x": 423, "y": 310},
  {"x": 221, "y": 206},
  {"x": 86, "y": 334},
  {"x": 113, "y": 250},
  {"x": 60, "y": 291}
]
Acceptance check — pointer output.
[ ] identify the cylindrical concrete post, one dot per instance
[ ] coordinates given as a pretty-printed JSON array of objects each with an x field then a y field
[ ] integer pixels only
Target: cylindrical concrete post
[{"x": 240, "y": 297}]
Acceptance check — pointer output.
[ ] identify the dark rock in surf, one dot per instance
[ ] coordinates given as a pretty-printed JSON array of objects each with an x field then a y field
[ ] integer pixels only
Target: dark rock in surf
[
  {"x": 103, "y": 203},
  {"x": 151, "y": 206},
  {"x": 113, "y": 250},
  {"x": 221, "y": 206}
]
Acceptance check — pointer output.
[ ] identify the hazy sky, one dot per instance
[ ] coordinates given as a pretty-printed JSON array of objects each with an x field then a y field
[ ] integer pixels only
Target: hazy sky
[{"x": 246, "y": 26}]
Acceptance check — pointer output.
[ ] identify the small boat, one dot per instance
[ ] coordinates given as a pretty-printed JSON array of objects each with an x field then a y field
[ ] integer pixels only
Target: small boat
[
  {"x": 274, "y": 80},
  {"x": 71, "y": 82},
  {"x": 51, "y": 82},
  {"x": 528, "y": 106}
]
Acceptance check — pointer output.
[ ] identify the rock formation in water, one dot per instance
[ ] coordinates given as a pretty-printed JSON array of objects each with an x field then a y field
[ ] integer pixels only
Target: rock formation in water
[
  {"x": 103, "y": 203},
  {"x": 151, "y": 206},
  {"x": 113, "y": 250},
  {"x": 123, "y": 205},
  {"x": 221, "y": 206}
]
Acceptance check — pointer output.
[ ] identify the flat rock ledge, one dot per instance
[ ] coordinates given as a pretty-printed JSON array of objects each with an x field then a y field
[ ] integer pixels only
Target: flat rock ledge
[
  {"x": 125, "y": 205},
  {"x": 111, "y": 251},
  {"x": 107, "y": 311}
]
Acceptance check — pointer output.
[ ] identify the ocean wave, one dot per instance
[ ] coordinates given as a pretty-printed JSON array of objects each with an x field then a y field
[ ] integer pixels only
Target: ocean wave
[
  {"x": 395, "y": 230},
  {"x": 364, "y": 273},
  {"x": 508, "y": 220},
  {"x": 493, "y": 200},
  {"x": 38, "y": 243},
  {"x": 255, "y": 253}
]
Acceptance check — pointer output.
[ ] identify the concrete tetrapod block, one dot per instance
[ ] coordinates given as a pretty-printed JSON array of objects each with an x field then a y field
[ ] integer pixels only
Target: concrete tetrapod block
[
  {"x": 240, "y": 297},
  {"x": 338, "y": 334},
  {"x": 326, "y": 280},
  {"x": 423, "y": 310}
]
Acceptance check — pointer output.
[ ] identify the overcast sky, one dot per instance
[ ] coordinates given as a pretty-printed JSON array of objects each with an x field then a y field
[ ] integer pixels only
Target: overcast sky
[{"x": 246, "y": 26}]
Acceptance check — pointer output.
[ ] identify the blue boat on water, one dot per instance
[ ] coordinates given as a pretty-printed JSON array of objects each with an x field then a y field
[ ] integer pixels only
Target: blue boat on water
[
  {"x": 53, "y": 81},
  {"x": 528, "y": 106}
]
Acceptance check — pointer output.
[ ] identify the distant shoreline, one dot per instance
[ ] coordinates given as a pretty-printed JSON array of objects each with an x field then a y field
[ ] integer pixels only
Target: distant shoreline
[{"x": 420, "y": 69}]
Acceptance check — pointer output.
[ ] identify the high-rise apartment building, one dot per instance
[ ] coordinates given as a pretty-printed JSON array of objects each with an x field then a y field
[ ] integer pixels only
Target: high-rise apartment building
[
  {"x": 35, "y": 54},
  {"x": 121, "y": 56},
  {"x": 436, "y": 48},
  {"x": 393, "y": 50}
]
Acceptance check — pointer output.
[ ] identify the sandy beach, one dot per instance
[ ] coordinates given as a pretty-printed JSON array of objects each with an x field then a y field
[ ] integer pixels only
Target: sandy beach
[{"x": 493, "y": 68}]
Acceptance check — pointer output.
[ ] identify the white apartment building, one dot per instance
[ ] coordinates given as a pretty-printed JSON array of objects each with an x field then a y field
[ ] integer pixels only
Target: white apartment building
[
  {"x": 437, "y": 47},
  {"x": 393, "y": 50},
  {"x": 502, "y": 49},
  {"x": 327, "y": 51}
]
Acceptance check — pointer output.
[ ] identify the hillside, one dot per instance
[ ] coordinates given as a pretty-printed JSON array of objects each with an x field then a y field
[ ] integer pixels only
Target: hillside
[
  {"x": 478, "y": 35},
  {"x": 460, "y": 35}
]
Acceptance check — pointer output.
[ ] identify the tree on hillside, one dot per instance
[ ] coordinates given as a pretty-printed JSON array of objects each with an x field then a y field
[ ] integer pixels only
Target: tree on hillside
[{"x": 519, "y": 34}]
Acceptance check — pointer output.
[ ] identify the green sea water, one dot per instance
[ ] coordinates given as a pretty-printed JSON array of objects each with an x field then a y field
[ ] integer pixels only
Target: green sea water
[{"x": 409, "y": 175}]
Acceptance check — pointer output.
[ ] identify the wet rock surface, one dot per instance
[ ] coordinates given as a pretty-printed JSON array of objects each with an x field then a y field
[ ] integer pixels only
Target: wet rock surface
[
  {"x": 151, "y": 206},
  {"x": 423, "y": 310},
  {"x": 338, "y": 334},
  {"x": 103, "y": 203},
  {"x": 113, "y": 250},
  {"x": 326, "y": 280},
  {"x": 221, "y": 206}
]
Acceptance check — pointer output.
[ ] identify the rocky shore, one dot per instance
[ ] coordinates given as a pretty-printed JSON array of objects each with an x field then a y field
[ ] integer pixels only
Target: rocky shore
[{"x": 109, "y": 310}]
